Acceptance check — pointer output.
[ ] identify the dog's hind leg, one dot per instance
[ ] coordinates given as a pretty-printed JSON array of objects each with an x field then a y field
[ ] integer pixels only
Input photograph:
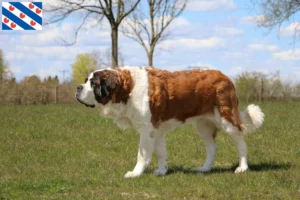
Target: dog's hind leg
[
  {"x": 242, "y": 149},
  {"x": 240, "y": 143},
  {"x": 207, "y": 131},
  {"x": 161, "y": 153}
]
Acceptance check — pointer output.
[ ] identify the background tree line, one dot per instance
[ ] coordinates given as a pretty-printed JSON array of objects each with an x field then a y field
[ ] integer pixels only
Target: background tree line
[
  {"x": 34, "y": 90},
  {"x": 255, "y": 86}
]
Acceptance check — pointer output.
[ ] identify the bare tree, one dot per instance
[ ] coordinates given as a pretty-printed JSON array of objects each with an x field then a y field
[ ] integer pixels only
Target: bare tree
[
  {"x": 276, "y": 12},
  {"x": 106, "y": 55},
  {"x": 113, "y": 10},
  {"x": 5, "y": 73},
  {"x": 2, "y": 65},
  {"x": 149, "y": 28}
]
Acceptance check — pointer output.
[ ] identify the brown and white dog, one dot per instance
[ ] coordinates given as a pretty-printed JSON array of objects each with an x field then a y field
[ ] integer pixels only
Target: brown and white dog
[{"x": 154, "y": 101}]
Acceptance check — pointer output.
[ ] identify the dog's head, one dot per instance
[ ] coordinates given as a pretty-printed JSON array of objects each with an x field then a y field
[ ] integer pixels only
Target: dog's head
[{"x": 99, "y": 87}]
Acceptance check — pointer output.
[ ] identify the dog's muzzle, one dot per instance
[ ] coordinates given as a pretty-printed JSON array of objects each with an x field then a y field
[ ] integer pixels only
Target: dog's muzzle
[{"x": 79, "y": 89}]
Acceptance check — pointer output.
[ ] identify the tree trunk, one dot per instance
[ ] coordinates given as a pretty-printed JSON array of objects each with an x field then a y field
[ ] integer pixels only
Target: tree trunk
[
  {"x": 150, "y": 58},
  {"x": 261, "y": 90},
  {"x": 114, "y": 46}
]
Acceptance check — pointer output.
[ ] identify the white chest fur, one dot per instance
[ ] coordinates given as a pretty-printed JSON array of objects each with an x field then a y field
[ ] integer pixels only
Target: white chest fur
[{"x": 136, "y": 112}]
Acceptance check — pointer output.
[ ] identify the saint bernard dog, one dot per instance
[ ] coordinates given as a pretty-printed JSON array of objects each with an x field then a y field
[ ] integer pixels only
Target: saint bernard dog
[{"x": 154, "y": 101}]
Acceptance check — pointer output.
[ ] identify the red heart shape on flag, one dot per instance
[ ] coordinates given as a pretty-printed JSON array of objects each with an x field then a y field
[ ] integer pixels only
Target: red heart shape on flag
[
  {"x": 32, "y": 23},
  {"x": 6, "y": 20},
  {"x": 38, "y": 11},
  {"x": 13, "y": 25},
  {"x": 31, "y": 6},
  {"x": 11, "y": 8},
  {"x": 22, "y": 15}
]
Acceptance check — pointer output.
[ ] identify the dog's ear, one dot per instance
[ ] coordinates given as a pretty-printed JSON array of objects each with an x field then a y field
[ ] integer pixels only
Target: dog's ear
[
  {"x": 112, "y": 79},
  {"x": 105, "y": 82},
  {"x": 105, "y": 88},
  {"x": 96, "y": 84}
]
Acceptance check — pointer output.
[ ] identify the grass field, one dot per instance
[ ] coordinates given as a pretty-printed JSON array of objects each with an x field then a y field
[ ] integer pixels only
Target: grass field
[{"x": 69, "y": 152}]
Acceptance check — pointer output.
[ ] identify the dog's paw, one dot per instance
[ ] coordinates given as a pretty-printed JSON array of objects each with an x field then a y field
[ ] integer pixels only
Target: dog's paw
[
  {"x": 160, "y": 172},
  {"x": 132, "y": 174},
  {"x": 203, "y": 170},
  {"x": 241, "y": 169}
]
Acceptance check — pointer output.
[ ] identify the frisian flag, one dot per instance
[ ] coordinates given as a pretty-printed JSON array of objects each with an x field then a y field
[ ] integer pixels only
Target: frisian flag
[{"x": 22, "y": 16}]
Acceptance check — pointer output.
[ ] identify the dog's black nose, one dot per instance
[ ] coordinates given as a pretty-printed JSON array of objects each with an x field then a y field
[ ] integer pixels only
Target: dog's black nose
[{"x": 79, "y": 88}]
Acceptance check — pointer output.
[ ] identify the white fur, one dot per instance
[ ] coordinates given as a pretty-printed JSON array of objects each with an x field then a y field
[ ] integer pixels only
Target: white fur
[
  {"x": 237, "y": 137},
  {"x": 136, "y": 114},
  {"x": 206, "y": 129},
  {"x": 252, "y": 118}
]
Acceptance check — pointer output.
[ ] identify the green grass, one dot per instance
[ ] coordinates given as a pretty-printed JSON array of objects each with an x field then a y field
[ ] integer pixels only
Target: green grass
[{"x": 69, "y": 152}]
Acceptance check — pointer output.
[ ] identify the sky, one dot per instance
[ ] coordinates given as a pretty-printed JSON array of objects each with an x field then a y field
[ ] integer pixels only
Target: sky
[{"x": 217, "y": 34}]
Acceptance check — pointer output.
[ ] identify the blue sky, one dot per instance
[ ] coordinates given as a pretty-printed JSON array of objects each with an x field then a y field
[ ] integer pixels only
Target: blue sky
[{"x": 218, "y": 34}]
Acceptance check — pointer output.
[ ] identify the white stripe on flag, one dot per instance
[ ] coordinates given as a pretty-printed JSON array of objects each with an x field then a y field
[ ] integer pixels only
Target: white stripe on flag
[
  {"x": 17, "y": 13},
  {"x": 9, "y": 23},
  {"x": 26, "y": 4}
]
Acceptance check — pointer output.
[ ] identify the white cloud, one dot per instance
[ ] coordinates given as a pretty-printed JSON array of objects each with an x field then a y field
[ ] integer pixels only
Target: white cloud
[
  {"x": 180, "y": 21},
  {"x": 180, "y": 25},
  {"x": 52, "y": 70},
  {"x": 272, "y": 48},
  {"x": 50, "y": 35},
  {"x": 15, "y": 70},
  {"x": 290, "y": 55},
  {"x": 185, "y": 66},
  {"x": 94, "y": 37},
  {"x": 201, "y": 66},
  {"x": 228, "y": 31},
  {"x": 235, "y": 70},
  {"x": 193, "y": 44},
  {"x": 253, "y": 20},
  {"x": 233, "y": 55},
  {"x": 174, "y": 68},
  {"x": 57, "y": 3},
  {"x": 4, "y": 39},
  {"x": 290, "y": 30},
  {"x": 210, "y": 5},
  {"x": 262, "y": 47}
]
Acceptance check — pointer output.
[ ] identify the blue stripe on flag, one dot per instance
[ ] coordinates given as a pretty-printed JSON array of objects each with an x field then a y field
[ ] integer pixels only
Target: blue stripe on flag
[
  {"x": 38, "y": 4},
  {"x": 5, "y": 27},
  {"x": 27, "y": 12},
  {"x": 16, "y": 20}
]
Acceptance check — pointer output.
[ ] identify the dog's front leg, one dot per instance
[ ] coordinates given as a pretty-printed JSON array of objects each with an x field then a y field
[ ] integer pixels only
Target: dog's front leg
[{"x": 144, "y": 155}]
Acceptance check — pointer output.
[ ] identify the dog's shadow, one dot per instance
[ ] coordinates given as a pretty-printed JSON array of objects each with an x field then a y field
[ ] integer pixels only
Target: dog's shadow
[{"x": 215, "y": 170}]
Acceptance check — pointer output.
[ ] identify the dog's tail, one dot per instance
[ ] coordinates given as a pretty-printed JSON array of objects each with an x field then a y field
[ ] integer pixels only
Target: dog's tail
[{"x": 252, "y": 118}]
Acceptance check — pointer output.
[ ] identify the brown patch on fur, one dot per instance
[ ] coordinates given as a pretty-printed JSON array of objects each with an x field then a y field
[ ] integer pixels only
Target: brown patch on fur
[
  {"x": 122, "y": 92},
  {"x": 184, "y": 94},
  {"x": 119, "y": 85}
]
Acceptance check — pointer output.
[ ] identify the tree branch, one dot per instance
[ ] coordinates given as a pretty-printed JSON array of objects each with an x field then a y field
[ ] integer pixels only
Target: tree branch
[
  {"x": 113, "y": 10},
  {"x": 277, "y": 12},
  {"x": 65, "y": 43},
  {"x": 128, "y": 12},
  {"x": 160, "y": 15}
]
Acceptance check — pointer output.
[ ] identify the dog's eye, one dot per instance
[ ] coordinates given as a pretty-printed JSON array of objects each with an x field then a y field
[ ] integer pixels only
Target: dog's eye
[{"x": 92, "y": 82}]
